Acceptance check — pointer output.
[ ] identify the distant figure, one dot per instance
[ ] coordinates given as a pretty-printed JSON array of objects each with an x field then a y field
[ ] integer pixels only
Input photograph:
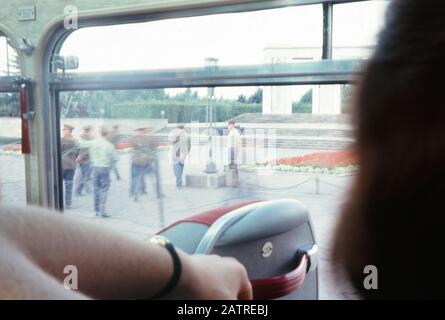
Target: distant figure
[
  {"x": 181, "y": 145},
  {"x": 233, "y": 144},
  {"x": 142, "y": 161},
  {"x": 70, "y": 152},
  {"x": 84, "y": 161},
  {"x": 113, "y": 137},
  {"x": 102, "y": 154}
]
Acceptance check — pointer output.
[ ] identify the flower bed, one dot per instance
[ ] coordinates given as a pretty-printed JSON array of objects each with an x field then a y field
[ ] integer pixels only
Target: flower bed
[
  {"x": 11, "y": 149},
  {"x": 334, "y": 162}
]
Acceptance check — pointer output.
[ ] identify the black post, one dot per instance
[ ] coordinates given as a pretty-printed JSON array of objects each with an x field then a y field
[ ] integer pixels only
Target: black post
[{"x": 328, "y": 11}]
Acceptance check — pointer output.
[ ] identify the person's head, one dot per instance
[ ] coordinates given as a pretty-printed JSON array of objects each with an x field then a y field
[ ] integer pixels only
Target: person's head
[
  {"x": 115, "y": 128},
  {"x": 87, "y": 130},
  {"x": 67, "y": 130},
  {"x": 180, "y": 126},
  {"x": 394, "y": 217},
  {"x": 231, "y": 124},
  {"x": 103, "y": 131}
]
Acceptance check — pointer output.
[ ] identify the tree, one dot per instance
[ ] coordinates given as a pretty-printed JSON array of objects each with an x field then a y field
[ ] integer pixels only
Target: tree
[
  {"x": 242, "y": 98},
  {"x": 305, "y": 103},
  {"x": 306, "y": 98},
  {"x": 9, "y": 104},
  {"x": 151, "y": 94},
  {"x": 257, "y": 97},
  {"x": 187, "y": 95}
]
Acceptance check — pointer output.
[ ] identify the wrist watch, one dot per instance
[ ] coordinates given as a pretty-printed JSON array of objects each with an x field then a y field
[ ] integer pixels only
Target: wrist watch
[{"x": 177, "y": 267}]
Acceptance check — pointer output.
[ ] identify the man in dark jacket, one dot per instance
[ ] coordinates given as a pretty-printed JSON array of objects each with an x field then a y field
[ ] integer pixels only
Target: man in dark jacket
[
  {"x": 70, "y": 152},
  {"x": 142, "y": 160}
]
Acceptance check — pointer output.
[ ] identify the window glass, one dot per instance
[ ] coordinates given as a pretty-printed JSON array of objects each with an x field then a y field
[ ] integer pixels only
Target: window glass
[
  {"x": 356, "y": 28},
  {"x": 9, "y": 65},
  {"x": 12, "y": 166},
  {"x": 298, "y": 148},
  {"x": 278, "y": 35}
]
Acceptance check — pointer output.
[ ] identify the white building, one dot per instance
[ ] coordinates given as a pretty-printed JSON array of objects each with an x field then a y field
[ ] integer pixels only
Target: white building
[{"x": 326, "y": 99}]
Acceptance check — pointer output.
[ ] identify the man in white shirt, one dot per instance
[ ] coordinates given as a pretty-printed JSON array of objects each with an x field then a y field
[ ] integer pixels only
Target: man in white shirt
[
  {"x": 84, "y": 162},
  {"x": 102, "y": 154},
  {"x": 233, "y": 144}
]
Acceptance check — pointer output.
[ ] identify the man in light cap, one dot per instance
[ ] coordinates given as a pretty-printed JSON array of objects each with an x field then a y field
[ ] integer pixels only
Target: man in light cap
[
  {"x": 234, "y": 144},
  {"x": 181, "y": 145}
]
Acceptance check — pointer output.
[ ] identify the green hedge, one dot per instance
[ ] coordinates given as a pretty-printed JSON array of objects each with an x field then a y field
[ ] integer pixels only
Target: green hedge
[
  {"x": 176, "y": 111},
  {"x": 302, "y": 107}
]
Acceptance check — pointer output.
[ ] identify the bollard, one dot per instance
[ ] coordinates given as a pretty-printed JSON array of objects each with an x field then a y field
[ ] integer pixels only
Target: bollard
[{"x": 231, "y": 176}]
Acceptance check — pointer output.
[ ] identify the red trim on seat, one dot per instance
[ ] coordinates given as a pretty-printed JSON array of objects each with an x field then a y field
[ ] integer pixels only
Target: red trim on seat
[
  {"x": 209, "y": 217},
  {"x": 280, "y": 286},
  {"x": 26, "y": 144}
]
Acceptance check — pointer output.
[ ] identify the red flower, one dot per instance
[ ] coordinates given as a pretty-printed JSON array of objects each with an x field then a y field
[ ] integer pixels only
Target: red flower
[
  {"x": 123, "y": 145},
  {"x": 321, "y": 159},
  {"x": 14, "y": 148}
]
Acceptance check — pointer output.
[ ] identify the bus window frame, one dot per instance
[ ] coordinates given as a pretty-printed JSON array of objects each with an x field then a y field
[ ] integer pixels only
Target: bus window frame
[{"x": 52, "y": 84}]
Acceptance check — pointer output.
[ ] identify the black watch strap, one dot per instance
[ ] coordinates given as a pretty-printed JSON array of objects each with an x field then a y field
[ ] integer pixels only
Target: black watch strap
[{"x": 177, "y": 267}]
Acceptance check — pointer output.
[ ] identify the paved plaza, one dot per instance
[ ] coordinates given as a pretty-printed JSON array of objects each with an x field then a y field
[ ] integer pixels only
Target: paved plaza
[{"x": 143, "y": 218}]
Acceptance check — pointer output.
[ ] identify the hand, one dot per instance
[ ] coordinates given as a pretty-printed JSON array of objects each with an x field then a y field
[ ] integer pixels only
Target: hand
[{"x": 211, "y": 277}]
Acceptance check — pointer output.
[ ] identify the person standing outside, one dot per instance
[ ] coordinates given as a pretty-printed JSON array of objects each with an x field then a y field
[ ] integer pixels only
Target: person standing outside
[
  {"x": 84, "y": 161},
  {"x": 142, "y": 161},
  {"x": 113, "y": 137},
  {"x": 102, "y": 154},
  {"x": 233, "y": 144},
  {"x": 181, "y": 145},
  {"x": 70, "y": 152}
]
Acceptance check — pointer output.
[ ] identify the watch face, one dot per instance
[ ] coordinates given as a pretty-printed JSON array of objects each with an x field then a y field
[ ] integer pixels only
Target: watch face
[{"x": 159, "y": 240}]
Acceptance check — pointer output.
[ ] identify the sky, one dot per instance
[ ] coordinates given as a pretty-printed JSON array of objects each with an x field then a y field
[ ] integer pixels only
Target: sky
[
  {"x": 3, "y": 56},
  {"x": 234, "y": 39}
]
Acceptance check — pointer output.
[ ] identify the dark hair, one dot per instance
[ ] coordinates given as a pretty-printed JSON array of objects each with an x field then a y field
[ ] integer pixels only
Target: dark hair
[
  {"x": 103, "y": 131},
  {"x": 231, "y": 122},
  {"x": 395, "y": 217}
]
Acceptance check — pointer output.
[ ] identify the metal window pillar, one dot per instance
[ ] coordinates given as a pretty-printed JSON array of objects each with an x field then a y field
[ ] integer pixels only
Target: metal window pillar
[
  {"x": 328, "y": 13},
  {"x": 211, "y": 65}
]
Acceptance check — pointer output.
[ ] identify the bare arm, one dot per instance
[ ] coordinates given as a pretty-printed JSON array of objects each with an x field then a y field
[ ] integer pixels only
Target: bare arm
[{"x": 42, "y": 243}]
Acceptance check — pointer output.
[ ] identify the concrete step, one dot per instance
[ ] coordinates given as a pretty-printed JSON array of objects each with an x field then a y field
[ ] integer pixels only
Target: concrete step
[
  {"x": 315, "y": 143},
  {"x": 277, "y": 131}
]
